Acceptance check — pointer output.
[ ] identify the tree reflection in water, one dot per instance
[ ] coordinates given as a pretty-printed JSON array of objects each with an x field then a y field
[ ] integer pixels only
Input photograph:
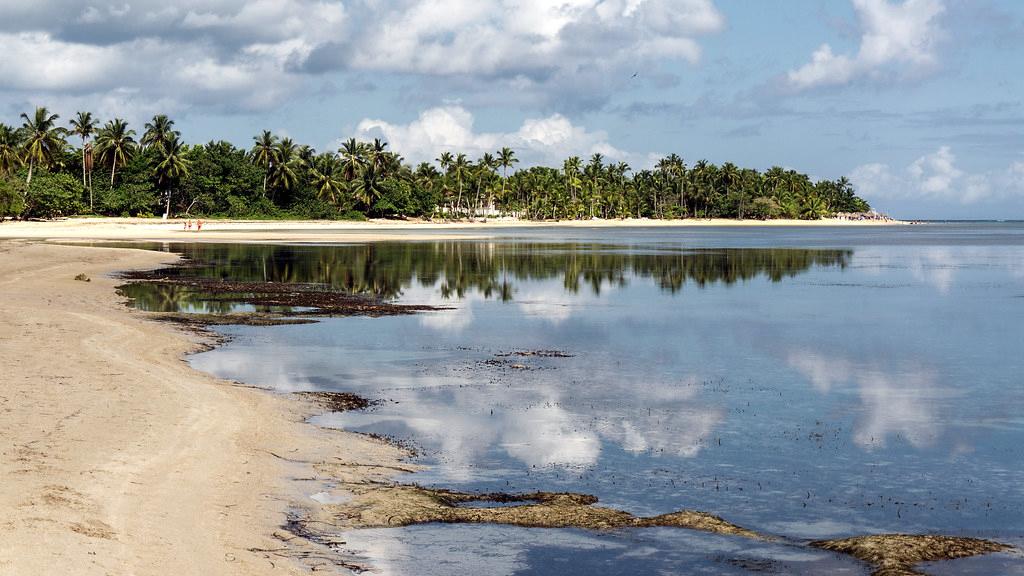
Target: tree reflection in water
[{"x": 490, "y": 268}]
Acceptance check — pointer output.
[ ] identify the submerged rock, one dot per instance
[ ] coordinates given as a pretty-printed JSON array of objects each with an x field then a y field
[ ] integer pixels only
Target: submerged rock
[
  {"x": 407, "y": 505},
  {"x": 897, "y": 554}
]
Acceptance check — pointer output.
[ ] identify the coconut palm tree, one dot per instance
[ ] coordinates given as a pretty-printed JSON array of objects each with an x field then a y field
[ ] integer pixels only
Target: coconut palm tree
[
  {"x": 171, "y": 167},
  {"x": 83, "y": 125},
  {"x": 813, "y": 207},
  {"x": 325, "y": 175},
  {"x": 158, "y": 132},
  {"x": 445, "y": 161},
  {"x": 729, "y": 175},
  {"x": 571, "y": 168},
  {"x": 10, "y": 150},
  {"x": 506, "y": 159},
  {"x": 352, "y": 160},
  {"x": 41, "y": 140},
  {"x": 484, "y": 167},
  {"x": 377, "y": 155},
  {"x": 116, "y": 144},
  {"x": 367, "y": 188},
  {"x": 282, "y": 173},
  {"x": 263, "y": 154},
  {"x": 305, "y": 154},
  {"x": 699, "y": 175},
  {"x": 460, "y": 170},
  {"x": 595, "y": 178}
]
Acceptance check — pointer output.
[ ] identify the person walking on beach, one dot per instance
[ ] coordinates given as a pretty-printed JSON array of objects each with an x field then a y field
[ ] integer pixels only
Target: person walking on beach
[{"x": 199, "y": 225}]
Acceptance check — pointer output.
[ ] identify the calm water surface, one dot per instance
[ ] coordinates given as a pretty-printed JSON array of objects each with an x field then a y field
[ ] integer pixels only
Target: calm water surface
[{"x": 810, "y": 383}]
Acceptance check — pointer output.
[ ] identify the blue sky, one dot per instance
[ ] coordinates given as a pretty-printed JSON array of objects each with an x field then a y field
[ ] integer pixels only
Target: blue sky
[{"x": 919, "y": 102}]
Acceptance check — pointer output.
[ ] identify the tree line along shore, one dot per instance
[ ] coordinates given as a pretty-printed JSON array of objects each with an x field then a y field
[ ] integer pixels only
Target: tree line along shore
[{"x": 86, "y": 166}]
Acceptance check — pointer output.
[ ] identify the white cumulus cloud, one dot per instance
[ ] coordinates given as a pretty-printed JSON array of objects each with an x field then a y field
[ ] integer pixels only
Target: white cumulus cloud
[
  {"x": 935, "y": 176},
  {"x": 451, "y": 128},
  {"x": 901, "y": 36}
]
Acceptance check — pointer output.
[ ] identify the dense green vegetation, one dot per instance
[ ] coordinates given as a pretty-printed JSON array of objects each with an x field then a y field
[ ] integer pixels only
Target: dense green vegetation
[{"x": 47, "y": 169}]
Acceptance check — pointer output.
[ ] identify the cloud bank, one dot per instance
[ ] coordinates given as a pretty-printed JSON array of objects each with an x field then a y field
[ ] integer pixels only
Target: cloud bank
[
  {"x": 935, "y": 176},
  {"x": 237, "y": 55}
]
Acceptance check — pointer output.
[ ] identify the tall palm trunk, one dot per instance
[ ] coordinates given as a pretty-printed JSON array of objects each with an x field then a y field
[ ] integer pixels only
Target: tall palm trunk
[
  {"x": 504, "y": 178},
  {"x": 266, "y": 174},
  {"x": 113, "y": 170},
  {"x": 31, "y": 163},
  {"x": 84, "y": 184}
]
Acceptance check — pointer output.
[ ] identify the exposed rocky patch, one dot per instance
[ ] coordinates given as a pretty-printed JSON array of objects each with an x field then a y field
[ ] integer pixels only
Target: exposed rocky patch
[
  {"x": 897, "y": 554},
  {"x": 337, "y": 401}
]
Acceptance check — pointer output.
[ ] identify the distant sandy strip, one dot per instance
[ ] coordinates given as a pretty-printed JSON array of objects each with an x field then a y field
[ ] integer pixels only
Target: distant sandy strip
[
  {"x": 115, "y": 456},
  {"x": 321, "y": 231}
]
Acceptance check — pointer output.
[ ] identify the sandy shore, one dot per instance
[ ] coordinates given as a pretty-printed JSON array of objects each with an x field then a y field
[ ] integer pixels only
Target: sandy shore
[
  {"x": 120, "y": 459},
  {"x": 319, "y": 231}
]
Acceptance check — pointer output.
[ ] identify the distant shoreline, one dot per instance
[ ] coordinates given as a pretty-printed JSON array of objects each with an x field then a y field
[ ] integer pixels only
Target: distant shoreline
[{"x": 321, "y": 230}]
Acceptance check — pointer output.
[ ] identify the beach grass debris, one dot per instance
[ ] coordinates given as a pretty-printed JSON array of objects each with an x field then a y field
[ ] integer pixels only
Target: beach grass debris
[
  {"x": 897, "y": 554},
  {"x": 83, "y": 278}
]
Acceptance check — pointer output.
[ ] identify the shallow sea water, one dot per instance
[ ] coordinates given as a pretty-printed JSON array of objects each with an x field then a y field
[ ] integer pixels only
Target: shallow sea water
[{"x": 809, "y": 383}]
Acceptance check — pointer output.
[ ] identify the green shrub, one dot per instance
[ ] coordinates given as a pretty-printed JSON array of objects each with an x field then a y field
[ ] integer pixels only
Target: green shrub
[
  {"x": 127, "y": 199},
  {"x": 12, "y": 199},
  {"x": 765, "y": 208},
  {"x": 52, "y": 195}
]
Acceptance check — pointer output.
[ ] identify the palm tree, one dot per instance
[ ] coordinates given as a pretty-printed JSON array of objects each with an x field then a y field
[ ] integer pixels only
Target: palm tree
[
  {"x": 159, "y": 132},
  {"x": 42, "y": 139},
  {"x": 484, "y": 167},
  {"x": 445, "y": 161},
  {"x": 324, "y": 175},
  {"x": 506, "y": 159},
  {"x": 460, "y": 169},
  {"x": 264, "y": 154},
  {"x": 571, "y": 168},
  {"x": 116, "y": 143},
  {"x": 84, "y": 125},
  {"x": 677, "y": 170},
  {"x": 306, "y": 153},
  {"x": 699, "y": 174},
  {"x": 172, "y": 166},
  {"x": 377, "y": 154},
  {"x": 367, "y": 188},
  {"x": 10, "y": 150},
  {"x": 813, "y": 208},
  {"x": 595, "y": 176},
  {"x": 729, "y": 175},
  {"x": 352, "y": 160},
  {"x": 282, "y": 173}
]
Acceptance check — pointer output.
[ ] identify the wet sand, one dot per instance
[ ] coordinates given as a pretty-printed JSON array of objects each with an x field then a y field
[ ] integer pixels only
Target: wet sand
[
  {"x": 120, "y": 459},
  {"x": 320, "y": 231}
]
